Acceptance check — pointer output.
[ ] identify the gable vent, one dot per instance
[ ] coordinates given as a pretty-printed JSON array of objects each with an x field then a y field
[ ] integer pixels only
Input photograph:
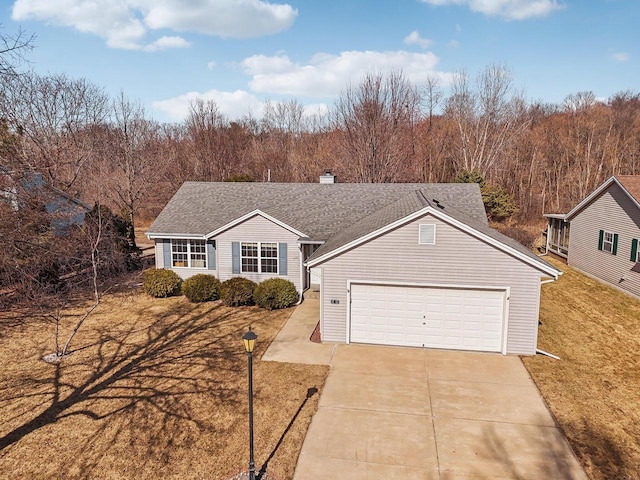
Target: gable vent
[{"x": 427, "y": 234}]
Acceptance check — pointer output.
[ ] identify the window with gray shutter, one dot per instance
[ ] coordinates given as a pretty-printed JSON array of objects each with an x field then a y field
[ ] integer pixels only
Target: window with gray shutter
[
  {"x": 235, "y": 257},
  {"x": 282, "y": 261},
  {"x": 211, "y": 254}
]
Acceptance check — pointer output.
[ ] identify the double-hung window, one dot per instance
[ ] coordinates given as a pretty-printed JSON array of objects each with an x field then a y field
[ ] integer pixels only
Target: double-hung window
[
  {"x": 259, "y": 257},
  {"x": 249, "y": 257},
  {"x": 607, "y": 242},
  {"x": 635, "y": 250},
  {"x": 188, "y": 253}
]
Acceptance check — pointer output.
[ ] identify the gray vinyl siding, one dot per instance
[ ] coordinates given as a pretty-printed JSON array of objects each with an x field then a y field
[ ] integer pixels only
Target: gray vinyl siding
[
  {"x": 614, "y": 212},
  {"x": 163, "y": 248},
  {"x": 258, "y": 229},
  {"x": 456, "y": 259}
]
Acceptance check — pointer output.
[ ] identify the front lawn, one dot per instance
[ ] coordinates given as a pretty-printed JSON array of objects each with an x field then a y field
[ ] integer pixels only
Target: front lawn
[
  {"x": 594, "y": 390},
  {"x": 155, "y": 388}
]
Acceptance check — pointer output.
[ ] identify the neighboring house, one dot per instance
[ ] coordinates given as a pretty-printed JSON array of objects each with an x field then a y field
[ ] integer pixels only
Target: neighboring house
[
  {"x": 604, "y": 233},
  {"x": 21, "y": 190},
  {"x": 396, "y": 264}
]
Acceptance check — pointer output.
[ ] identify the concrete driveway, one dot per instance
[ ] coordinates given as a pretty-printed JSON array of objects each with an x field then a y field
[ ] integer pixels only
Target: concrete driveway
[{"x": 408, "y": 413}]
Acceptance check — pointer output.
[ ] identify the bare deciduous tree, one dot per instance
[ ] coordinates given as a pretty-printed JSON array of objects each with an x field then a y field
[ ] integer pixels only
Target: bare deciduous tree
[
  {"x": 205, "y": 126},
  {"x": 488, "y": 116},
  {"x": 132, "y": 147},
  {"x": 13, "y": 49},
  {"x": 53, "y": 116},
  {"x": 376, "y": 120}
]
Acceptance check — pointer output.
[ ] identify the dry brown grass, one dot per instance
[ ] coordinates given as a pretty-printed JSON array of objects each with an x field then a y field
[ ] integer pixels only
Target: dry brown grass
[
  {"x": 594, "y": 390},
  {"x": 155, "y": 388}
]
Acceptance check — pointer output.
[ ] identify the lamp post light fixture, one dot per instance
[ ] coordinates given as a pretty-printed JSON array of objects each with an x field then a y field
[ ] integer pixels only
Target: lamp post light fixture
[{"x": 249, "y": 340}]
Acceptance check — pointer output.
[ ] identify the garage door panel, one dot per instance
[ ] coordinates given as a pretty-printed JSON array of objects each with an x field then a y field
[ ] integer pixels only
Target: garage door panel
[{"x": 468, "y": 319}]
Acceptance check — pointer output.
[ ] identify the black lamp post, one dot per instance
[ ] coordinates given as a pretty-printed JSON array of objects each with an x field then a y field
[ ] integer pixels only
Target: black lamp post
[{"x": 249, "y": 340}]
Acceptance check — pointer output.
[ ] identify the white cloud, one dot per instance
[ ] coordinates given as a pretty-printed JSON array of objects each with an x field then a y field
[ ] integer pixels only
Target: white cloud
[
  {"x": 508, "y": 9},
  {"x": 454, "y": 43},
  {"x": 414, "y": 38},
  {"x": 167, "y": 42},
  {"x": 126, "y": 23},
  {"x": 326, "y": 75},
  {"x": 233, "y": 104},
  {"x": 211, "y": 65},
  {"x": 620, "y": 56}
]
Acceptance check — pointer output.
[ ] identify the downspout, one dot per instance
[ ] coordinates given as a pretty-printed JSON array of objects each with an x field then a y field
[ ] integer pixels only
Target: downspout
[
  {"x": 302, "y": 271},
  {"x": 542, "y": 352}
]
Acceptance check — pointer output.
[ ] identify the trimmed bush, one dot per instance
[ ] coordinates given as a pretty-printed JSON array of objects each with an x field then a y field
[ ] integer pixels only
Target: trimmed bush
[
  {"x": 237, "y": 291},
  {"x": 161, "y": 283},
  {"x": 275, "y": 293},
  {"x": 201, "y": 288}
]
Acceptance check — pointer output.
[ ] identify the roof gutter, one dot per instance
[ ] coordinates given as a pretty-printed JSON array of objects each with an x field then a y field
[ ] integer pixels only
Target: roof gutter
[{"x": 176, "y": 235}]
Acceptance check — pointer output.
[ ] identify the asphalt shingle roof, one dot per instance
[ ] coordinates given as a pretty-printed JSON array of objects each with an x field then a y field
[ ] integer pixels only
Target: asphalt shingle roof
[
  {"x": 316, "y": 210},
  {"x": 631, "y": 183},
  {"x": 334, "y": 213}
]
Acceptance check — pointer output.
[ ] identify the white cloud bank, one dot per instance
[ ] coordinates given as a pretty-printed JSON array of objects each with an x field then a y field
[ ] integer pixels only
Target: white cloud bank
[
  {"x": 322, "y": 78},
  {"x": 126, "y": 23},
  {"x": 326, "y": 75},
  {"x": 232, "y": 104},
  {"x": 507, "y": 9}
]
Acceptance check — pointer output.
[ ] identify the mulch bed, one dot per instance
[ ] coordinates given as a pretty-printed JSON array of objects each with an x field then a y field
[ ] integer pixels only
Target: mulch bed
[{"x": 315, "y": 336}]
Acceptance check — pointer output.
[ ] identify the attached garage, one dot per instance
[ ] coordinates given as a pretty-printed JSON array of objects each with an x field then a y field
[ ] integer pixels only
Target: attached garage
[{"x": 428, "y": 316}]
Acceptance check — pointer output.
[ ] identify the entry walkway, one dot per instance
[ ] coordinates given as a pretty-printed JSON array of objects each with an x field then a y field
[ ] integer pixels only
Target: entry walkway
[
  {"x": 292, "y": 344},
  {"x": 408, "y": 413}
]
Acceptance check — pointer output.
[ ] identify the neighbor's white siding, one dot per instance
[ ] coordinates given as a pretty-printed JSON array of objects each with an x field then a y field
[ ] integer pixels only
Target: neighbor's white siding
[
  {"x": 456, "y": 259},
  {"x": 614, "y": 212},
  {"x": 258, "y": 229}
]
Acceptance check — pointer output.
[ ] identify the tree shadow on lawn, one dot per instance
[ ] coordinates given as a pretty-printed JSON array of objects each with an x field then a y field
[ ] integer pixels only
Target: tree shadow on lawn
[
  {"x": 144, "y": 380},
  {"x": 263, "y": 469},
  {"x": 510, "y": 458}
]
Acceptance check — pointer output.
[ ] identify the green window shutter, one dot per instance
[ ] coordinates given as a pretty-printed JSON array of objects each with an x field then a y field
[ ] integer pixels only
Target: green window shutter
[
  {"x": 166, "y": 252},
  {"x": 282, "y": 258},
  {"x": 211, "y": 255},
  {"x": 235, "y": 257},
  {"x": 634, "y": 250},
  {"x": 615, "y": 244},
  {"x": 600, "y": 239}
]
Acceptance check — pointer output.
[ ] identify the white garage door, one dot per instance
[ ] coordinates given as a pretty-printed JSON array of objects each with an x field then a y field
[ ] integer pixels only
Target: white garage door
[{"x": 464, "y": 319}]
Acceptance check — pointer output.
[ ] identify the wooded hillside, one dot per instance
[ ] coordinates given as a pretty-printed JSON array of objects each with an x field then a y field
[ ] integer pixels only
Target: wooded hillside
[{"x": 384, "y": 129}]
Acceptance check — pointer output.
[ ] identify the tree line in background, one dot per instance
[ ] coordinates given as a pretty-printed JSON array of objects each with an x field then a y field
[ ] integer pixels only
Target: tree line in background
[
  {"x": 545, "y": 157},
  {"x": 385, "y": 129}
]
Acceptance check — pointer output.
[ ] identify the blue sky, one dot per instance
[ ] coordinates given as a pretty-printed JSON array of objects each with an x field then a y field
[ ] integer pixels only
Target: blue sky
[{"x": 240, "y": 53}]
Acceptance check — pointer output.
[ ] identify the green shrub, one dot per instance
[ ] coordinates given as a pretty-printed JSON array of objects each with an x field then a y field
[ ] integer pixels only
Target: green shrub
[
  {"x": 275, "y": 293},
  {"x": 237, "y": 291},
  {"x": 161, "y": 283},
  {"x": 498, "y": 203},
  {"x": 201, "y": 288}
]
